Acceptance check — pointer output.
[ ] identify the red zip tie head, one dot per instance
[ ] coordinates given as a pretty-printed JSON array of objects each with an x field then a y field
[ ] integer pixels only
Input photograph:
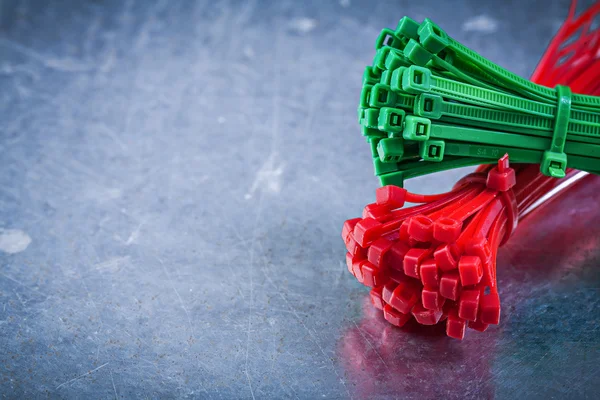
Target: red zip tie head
[
  {"x": 450, "y": 285},
  {"x": 446, "y": 257},
  {"x": 395, "y": 317},
  {"x": 413, "y": 260},
  {"x": 391, "y": 196},
  {"x": 349, "y": 228},
  {"x": 373, "y": 276},
  {"x": 447, "y": 230},
  {"x": 430, "y": 274},
  {"x": 404, "y": 297},
  {"x": 470, "y": 270},
  {"x": 366, "y": 231},
  {"x": 376, "y": 298},
  {"x": 375, "y": 211},
  {"x": 378, "y": 250},
  {"x": 468, "y": 306},
  {"x": 479, "y": 247},
  {"x": 432, "y": 299},
  {"x": 490, "y": 309},
  {"x": 455, "y": 326},
  {"x": 420, "y": 227},
  {"x": 502, "y": 177},
  {"x": 426, "y": 316}
]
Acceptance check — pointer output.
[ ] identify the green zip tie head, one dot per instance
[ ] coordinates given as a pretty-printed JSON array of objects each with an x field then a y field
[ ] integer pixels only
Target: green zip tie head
[
  {"x": 365, "y": 96},
  {"x": 417, "y": 53},
  {"x": 429, "y": 105},
  {"x": 372, "y": 132},
  {"x": 371, "y": 77},
  {"x": 416, "y": 80},
  {"x": 395, "y": 59},
  {"x": 371, "y": 118},
  {"x": 361, "y": 114},
  {"x": 396, "y": 79},
  {"x": 382, "y": 96},
  {"x": 416, "y": 128},
  {"x": 390, "y": 150},
  {"x": 554, "y": 164},
  {"x": 379, "y": 60},
  {"x": 388, "y": 38},
  {"x": 432, "y": 37},
  {"x": 408, "y": 28},
  {"x": 432, "y": 150},
  {"x": 386, "y": 77},
  {"x": 391, "y": 119},
  {"x": 373, "y": 142}
]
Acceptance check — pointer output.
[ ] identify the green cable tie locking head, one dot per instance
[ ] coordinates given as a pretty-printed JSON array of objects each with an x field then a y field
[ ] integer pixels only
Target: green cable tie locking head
[
  {"x": 370, "y": 77},
  {"x": 417, "y": 53},
  {"x": 361, "y": 114},
  {"x": 365, "y": 96},
  {"x": 373, "y": 142},
  {"x": 429, "y": 105},
  {"x": 371, "y": 118},
  {"x": 396, "y": 79},
  {"x": 432, "y": 37},
  {"x": 390, "y": 150},
  {"x": 395, "y": 59},
  {"x": 416, "y": 80},
  {"x": 379, "y": 60},
  {"x": 432, "y": 150},
  {"x": 388, "y": 38},
  {"x": 416, "y": 128},
  {"x": 408, "y": 28},
  {"x": 391, "y": 119},
  {"x": 386, "y": 77},
  {"x": 382, "y": 96}
]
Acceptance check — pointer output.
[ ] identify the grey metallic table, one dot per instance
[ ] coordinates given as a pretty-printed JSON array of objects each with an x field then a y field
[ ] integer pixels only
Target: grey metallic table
[{"x": 174, "y": 178}]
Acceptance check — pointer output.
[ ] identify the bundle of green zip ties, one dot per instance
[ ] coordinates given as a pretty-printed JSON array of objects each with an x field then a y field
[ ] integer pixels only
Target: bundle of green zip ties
[{"x": 429, "y": 104}]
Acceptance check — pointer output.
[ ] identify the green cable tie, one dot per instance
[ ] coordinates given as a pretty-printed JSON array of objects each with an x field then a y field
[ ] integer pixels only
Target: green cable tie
[
  {"x": 554, "y": 161},
  {"x": 484, "y": 136},
  {"x": 433, "y": 106}
]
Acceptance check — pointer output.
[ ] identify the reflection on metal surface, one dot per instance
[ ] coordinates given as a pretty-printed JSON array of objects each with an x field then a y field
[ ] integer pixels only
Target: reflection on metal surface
[{"x": 383, "y": 360}]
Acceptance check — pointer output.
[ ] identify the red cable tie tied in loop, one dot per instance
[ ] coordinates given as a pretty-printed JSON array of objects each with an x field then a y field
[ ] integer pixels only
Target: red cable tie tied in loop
[{"x": 503, "y": 178}]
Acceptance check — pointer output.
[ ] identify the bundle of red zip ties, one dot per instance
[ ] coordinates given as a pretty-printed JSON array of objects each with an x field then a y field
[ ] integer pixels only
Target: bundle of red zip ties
[{"x": 436, "y": 261}]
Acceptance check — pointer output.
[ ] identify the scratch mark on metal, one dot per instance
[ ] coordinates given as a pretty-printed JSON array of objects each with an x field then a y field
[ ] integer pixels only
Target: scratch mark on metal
[{"x": 81, "y": 376}]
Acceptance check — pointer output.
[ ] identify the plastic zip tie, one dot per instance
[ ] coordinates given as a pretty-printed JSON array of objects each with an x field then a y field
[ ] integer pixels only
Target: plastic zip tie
[
  {"x": 495, "y": 119},
  {"x": 488, "y": 215},
  {"x": 471, "y": 94},
  {"x": 472, "y": 207},
  {"x": 382, "y": 96},
  {"x": 446, "y": 211},
  {"x": 528, "y": 88},
  {"x": 509, "y": 140},
  {"x": 554, "y": 160},
  {"x": 432, "y": 206}
]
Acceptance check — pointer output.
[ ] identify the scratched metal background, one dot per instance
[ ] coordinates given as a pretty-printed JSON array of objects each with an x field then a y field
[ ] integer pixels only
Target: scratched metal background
[{"x": 173, "y": 181}]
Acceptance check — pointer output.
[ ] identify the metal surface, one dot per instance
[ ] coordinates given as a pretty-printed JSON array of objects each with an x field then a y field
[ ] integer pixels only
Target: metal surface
[{"x": 174, "y": 178}]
